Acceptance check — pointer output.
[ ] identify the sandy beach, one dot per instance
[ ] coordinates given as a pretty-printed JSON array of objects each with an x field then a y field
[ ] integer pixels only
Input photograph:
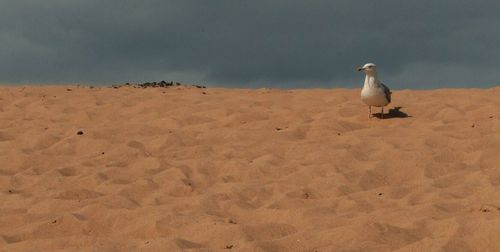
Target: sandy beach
[{"x": 192, "y": 169}]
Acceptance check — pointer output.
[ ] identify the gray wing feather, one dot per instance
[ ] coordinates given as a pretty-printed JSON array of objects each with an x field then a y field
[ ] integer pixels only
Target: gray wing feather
[{"x": 387, "y": 92}]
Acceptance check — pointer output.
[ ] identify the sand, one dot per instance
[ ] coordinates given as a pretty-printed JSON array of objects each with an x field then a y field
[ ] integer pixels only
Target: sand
[{"x": 188, "y": 169}]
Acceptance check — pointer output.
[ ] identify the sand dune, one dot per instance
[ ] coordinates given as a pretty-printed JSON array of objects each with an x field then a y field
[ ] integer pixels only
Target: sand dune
[{"x": 170, "y": 169}]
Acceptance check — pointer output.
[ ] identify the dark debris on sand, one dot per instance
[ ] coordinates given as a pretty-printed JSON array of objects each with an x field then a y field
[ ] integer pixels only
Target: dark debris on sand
[{"x": 161, "y": 84}]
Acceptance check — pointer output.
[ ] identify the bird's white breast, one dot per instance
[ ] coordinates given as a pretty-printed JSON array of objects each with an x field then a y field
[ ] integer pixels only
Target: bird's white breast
[{"x": 374, "y": 96}]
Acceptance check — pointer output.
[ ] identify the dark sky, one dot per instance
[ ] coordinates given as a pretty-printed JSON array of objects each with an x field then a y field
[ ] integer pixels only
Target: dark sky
[{"x": 252, "y": 43}]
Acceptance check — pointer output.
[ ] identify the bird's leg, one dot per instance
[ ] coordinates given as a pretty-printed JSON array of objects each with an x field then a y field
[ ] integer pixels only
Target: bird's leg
[
  {"x": 369, "y": 112},
  {"x": 382, "y": 116}
]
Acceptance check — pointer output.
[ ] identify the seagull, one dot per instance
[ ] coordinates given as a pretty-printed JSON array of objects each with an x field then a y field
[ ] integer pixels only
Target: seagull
[{"x": 374, "y": 92}]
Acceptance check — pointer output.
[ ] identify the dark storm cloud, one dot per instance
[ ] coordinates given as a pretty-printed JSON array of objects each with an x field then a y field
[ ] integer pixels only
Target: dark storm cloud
[{"x": 286, "y": 43}]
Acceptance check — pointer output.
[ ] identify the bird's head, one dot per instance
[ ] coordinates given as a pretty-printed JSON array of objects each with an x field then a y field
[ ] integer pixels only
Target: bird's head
[{"x": 368, "y": 68}]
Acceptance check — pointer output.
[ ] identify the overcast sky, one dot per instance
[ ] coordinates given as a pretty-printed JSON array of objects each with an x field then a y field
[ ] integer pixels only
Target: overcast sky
[{"x": 252, "y": 43}]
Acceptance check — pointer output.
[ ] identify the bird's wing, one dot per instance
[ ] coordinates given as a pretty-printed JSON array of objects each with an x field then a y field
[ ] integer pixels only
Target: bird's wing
[{"x": 387, "y": 92}]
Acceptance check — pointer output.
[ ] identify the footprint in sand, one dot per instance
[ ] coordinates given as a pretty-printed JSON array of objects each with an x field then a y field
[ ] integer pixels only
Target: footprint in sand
[
  {"x": 272, "y": 165},
  {"x": 186, "y": 244},
  {"x": 67, "y": 171},
  {"x": 6, "y": 136},
  {"x": 79, "y": 194},
  {"x": 268, "y": 231}
]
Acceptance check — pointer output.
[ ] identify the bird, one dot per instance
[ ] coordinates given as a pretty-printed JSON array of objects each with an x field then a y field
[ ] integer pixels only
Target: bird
[{"x": 374, "y": 92}]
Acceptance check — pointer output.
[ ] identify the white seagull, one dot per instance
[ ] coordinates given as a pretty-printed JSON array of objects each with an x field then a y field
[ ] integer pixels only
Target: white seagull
[{"x": 374, "y": 92}]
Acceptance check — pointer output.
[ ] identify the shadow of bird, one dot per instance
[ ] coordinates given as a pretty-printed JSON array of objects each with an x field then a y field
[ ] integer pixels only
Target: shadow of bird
[{"x": 393, "y": 113}]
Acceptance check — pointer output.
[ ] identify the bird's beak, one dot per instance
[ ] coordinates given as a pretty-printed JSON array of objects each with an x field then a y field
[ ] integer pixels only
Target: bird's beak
[{"x": 360, "y": 69}]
